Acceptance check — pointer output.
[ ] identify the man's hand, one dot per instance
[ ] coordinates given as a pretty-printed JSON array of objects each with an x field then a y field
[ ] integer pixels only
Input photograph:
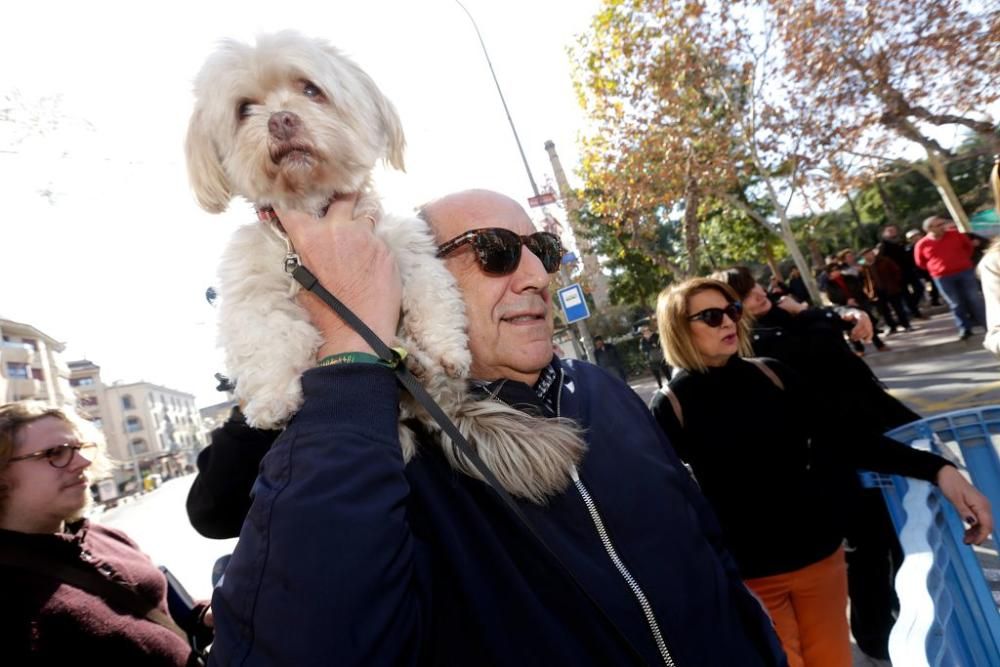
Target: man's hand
[
  {"x": 354, "y": 265},
  {"x": 862, "y": 325},
  {"x": 970, "y": 504}
]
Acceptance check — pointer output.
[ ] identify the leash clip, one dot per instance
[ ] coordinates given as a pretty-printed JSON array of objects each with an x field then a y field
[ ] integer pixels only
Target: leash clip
[{"x": 292, "y": 261}]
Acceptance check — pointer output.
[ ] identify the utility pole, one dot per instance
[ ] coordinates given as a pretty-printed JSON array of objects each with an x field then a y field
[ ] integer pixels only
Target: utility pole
[
  {"x": 595, "y": 278},
  {"x": 580, "y": 327}
]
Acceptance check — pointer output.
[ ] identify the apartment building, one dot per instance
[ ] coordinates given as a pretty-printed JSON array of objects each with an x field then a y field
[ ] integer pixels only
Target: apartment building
[
  {"x": 32, "y": 367},
  {"x": 157, "y": 428}
]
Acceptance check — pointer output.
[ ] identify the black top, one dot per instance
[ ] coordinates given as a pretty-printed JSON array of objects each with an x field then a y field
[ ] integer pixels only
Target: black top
[
  {"x": 220, "y": 498},
  {"x": 844, "y": 390},
  {"x": 775, "y": 475}
]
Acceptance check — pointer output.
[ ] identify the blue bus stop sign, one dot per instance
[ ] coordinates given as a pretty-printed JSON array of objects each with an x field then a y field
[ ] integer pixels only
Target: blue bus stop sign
[{"x": 573, "y": 304}]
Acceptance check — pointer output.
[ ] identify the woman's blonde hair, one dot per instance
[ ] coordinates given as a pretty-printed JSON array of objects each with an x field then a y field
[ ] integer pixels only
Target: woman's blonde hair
[
  {"x": 15, "y": 416},
  {"x": 675, "y": 327}
]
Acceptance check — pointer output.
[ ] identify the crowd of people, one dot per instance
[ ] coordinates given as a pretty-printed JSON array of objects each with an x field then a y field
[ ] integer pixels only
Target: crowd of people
[
  {"x": 704, "y": 529},
  {"x": 891, "y": 280}
]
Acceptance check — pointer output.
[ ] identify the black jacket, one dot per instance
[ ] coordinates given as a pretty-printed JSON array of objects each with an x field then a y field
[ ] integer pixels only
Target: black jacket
[
  {"x": 778, "y": 478},
  {"x": 843, "y": 389},
  {"x": 219, "y": 498}
]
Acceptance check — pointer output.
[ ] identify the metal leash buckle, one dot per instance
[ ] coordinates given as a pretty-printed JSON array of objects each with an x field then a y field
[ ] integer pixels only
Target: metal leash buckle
[{"x": 292, "y": 261}]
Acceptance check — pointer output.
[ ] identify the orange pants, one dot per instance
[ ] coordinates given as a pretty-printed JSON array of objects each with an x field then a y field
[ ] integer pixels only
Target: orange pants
[{"x": 809, "y": 610}]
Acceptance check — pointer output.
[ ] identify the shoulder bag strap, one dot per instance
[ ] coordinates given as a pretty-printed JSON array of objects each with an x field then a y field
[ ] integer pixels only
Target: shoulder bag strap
[
  {"x": 117, "y": 595},
  {"x": 674, "y": 403},
  {"x": 768, "y": 371}
]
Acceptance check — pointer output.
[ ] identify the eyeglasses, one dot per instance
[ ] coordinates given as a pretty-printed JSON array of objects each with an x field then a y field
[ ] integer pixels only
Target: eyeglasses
[
  {"x": 498, "y": 250},
  {"x": 60, "y": 455},
  {"x": 713, "y": 316}
]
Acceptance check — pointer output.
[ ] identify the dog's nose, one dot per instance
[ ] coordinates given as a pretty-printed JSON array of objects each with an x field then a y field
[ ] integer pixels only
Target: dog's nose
[{"x": 283, "y": 125}]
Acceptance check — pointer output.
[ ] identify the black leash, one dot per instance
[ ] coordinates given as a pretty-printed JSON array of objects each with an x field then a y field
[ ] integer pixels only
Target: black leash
[{"x": 391, "y": 357}]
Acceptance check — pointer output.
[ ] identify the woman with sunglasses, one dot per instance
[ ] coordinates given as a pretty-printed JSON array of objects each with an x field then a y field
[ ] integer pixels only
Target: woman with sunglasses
[
  {"x": 74, "y": 590},
  {"x": 777, "y": 482}
]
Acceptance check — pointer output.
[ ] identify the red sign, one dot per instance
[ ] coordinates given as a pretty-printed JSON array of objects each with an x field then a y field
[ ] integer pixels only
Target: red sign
[{"x": 543, "y": 199}]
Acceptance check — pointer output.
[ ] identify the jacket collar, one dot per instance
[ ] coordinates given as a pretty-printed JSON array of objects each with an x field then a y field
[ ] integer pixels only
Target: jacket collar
[{"x": 542, "y": 398}]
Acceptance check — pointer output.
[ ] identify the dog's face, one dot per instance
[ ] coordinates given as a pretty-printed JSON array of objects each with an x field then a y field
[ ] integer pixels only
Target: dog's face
[{"x": 289, "y": 122}]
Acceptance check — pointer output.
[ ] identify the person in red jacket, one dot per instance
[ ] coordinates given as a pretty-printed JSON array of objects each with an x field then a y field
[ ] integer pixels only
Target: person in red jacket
[{"x": 947, "y": 255}]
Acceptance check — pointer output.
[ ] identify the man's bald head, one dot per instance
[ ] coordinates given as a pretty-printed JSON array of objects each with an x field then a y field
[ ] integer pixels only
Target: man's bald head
[{"x": 455, "y": 213}]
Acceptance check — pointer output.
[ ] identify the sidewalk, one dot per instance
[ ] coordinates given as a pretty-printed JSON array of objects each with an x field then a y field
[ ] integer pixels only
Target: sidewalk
[{"x": 932, "y": 337}]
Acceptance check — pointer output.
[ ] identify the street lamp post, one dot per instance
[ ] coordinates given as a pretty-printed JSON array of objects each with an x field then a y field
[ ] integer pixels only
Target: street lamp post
[{"x": 581, "y": 325}]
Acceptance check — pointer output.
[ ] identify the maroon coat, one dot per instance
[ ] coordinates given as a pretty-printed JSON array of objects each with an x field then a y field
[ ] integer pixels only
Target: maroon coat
[{"x": 44, "y": 621}]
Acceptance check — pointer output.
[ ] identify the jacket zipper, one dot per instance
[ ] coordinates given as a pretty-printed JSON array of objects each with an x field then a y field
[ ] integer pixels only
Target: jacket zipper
[{"x": 602, "y": 532}]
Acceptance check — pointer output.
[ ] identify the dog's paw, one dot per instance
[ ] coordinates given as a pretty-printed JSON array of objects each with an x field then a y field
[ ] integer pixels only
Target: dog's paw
[{"x": 457, "y": 364}]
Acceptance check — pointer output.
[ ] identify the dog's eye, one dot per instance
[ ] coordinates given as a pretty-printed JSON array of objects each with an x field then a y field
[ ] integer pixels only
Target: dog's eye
[
  {"x": 310, "y": 89},
  {"x": 243, "y": 111}
]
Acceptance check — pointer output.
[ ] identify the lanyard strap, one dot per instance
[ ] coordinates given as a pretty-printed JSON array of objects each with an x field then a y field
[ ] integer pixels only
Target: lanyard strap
[{"x": 391, "y": 357}]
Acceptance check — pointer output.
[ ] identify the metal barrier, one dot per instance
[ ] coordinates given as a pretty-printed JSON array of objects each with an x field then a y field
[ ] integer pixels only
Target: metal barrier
[{"x": 948, "y": 616}]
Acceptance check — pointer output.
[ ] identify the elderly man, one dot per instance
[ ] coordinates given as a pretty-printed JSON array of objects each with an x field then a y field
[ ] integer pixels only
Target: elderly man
[
  {"x": 946, "y": 254},
  {"x": 349, "y": 556}
]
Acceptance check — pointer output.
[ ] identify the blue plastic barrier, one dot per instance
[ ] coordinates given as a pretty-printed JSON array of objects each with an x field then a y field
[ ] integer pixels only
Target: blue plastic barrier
[{"x": 947, "y": 614}]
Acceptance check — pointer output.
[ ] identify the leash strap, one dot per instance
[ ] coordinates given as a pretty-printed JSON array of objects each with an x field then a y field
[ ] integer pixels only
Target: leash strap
[{"x": 309, "y": 281}]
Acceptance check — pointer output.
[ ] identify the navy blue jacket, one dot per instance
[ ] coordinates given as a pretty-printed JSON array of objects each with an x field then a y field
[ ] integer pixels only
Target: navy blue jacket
[{"x": 349, "y": 558}]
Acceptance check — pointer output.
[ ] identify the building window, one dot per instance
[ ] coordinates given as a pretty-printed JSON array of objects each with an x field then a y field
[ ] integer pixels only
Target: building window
[
  {"x": 88, "y": 401},
  {"x": 37, "y": 374},
  {"x": 139, "y": 446},
  {"x": 127, "y": 402},
  {"x": 31, "y": 343},
  {"x": 81, "y": 382},
  {"x": 133, "y": 424},
  {"x": 18, "y": 370}
]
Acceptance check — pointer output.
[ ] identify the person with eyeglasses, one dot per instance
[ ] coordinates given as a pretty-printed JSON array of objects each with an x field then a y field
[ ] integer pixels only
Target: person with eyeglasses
[
  {"x": 776, "y": 478},
  {"x": 350, "y": 556},
  {"x": 75, "y": 591}
]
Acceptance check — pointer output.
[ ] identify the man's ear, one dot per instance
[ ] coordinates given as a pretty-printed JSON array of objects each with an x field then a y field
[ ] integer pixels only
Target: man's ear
[{"x": 205, "y": 172}]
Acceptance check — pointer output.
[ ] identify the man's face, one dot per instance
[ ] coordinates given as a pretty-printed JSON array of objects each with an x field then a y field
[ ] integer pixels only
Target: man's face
[
  {"x": 510, "y": 317},
  {"x": 936, "y": 228},
  {"x": 890, "y": 233}
]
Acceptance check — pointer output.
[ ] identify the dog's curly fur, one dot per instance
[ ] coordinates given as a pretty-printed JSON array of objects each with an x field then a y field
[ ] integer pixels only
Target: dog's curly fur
[{"x": 290, "y": 123}]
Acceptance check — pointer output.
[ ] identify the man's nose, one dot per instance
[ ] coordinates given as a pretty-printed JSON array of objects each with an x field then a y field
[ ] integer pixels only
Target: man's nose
[{"x": 530, "y": 272}]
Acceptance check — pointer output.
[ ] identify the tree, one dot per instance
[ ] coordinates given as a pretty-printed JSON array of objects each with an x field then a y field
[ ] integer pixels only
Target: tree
[
  {"x": 877, "y": 71},
  {"x": 676, "y": 91},
  {"x": 636, "y": 275}
]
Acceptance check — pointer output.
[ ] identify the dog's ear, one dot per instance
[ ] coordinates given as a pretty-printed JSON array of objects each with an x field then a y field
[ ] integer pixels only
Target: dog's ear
[
  {"x": 208, "y": 179},
  {"x": 393, "y": 132}
]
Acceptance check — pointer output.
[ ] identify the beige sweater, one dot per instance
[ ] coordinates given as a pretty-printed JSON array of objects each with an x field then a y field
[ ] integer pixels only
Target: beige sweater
[{"x": 989, "y": 274}]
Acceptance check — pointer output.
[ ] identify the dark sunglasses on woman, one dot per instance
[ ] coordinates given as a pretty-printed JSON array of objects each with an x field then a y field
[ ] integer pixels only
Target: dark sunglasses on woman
[
  {"x": 498, "y": 250},
  {"x": 713, "y": 316}
]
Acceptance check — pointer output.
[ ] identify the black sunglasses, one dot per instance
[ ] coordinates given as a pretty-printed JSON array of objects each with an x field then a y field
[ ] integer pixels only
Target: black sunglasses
[
  {"x": 60, "y": 455},
  {"x": 498, "y": 250},
  {"x": 713, "y": 316}
]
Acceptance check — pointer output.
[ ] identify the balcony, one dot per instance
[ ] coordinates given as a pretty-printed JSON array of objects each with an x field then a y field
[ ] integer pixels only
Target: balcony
[
  {"x": 17, "y": 353},
  {"x": 19, "y": 389}
]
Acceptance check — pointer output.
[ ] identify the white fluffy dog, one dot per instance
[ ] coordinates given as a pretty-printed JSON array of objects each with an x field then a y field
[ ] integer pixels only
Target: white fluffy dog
[{"x": 290, "y": 123}]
